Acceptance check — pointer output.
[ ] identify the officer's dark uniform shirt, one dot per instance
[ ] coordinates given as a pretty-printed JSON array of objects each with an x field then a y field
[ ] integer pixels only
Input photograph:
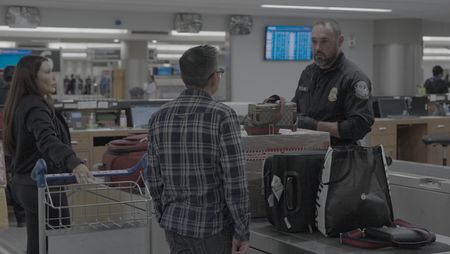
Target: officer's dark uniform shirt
[
  {"x": 341, "y": 93},
  {"x": 435, "y": 85}
]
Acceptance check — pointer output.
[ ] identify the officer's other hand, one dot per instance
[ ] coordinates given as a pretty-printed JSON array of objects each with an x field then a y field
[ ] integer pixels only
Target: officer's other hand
[
  {"x": 306, "y": 122},
  {"x": 273, "y": 98},
  {"x": 82, "y": 174}
]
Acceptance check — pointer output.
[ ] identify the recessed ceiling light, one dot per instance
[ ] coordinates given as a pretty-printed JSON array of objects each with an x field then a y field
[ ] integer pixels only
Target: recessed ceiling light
[
  {"x": 324, "y": 8},
  {"x": 175, "y": 47},
  {"x": 73, "y": 55},
  {"x": 66, "y": 30},
  {"x": 116, "y": 40},
  {"x": 201, "y": 33},
  {"x": 7, "y": 44},
  {"x": 154, "y": 41},
  {"x": 74, "y": 45},
  {"x": 436, "y": 58},
  {"x": 436, "y": 51},
  {"x": 435, "y": 38},
  {"x": 169, "y": 56}
]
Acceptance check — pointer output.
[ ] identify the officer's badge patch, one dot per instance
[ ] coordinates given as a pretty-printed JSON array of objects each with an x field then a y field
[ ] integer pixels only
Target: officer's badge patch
[
  {"x": 362, "y": 90},
  {"x": 332, "y": 96}
]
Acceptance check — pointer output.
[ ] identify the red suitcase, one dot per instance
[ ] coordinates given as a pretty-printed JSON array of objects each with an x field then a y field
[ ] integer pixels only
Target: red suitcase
[{"x": 124, "y": 153}]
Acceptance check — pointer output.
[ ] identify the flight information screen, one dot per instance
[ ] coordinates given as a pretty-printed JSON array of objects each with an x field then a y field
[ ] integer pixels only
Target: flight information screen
[{"x": 288, "y": 43}]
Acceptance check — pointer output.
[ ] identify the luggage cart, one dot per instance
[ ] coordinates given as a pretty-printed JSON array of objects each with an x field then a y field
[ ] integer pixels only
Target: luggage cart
[{"x": 66, "y": 210}]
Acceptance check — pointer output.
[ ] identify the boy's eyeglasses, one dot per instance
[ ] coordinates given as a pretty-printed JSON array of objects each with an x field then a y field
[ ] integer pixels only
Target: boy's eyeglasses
[{"x": 219, "y": 72}]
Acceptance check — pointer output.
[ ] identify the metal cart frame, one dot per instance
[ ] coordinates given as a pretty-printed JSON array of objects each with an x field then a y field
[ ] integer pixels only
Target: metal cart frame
[{"x": 91, "y": 207}]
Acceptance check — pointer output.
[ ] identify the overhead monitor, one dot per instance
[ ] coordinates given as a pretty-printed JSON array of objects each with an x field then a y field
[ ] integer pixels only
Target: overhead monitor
[
  {"x": 288, "y": 43},
  {"x": 12, "y": 56},
  {"x": 392, "y": 106}
]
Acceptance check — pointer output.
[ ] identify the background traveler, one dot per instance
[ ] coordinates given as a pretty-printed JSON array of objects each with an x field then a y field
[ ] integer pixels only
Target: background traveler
[{"x": 437, "y": 84}]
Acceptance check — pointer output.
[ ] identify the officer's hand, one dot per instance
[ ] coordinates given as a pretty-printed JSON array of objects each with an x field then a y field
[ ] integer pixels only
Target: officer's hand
[{"x": 306, "y": 122}]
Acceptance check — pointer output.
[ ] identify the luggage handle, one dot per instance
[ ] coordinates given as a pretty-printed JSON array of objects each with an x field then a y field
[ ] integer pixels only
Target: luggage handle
[
  {"x": 292, "y": 192},
  {"x": 40, "y": 169}
]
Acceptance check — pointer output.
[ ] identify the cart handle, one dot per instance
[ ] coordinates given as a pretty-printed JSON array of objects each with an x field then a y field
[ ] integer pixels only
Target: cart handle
[{"x": 40, "y": 169}]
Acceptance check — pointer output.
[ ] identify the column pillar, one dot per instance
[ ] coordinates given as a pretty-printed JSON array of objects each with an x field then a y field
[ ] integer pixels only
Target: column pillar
[
  {"x": 134, "y": 55},
  {"x": 398, "y": 51}
]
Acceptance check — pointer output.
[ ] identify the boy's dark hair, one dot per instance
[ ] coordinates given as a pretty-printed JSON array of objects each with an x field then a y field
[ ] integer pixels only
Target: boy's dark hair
[{"x": 197, "y": 64}]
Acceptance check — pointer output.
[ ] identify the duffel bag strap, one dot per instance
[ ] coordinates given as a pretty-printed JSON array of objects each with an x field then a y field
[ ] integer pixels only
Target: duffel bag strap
[
  {"x": 431, "y": 237},
  {"x": 357, "y": 238}
]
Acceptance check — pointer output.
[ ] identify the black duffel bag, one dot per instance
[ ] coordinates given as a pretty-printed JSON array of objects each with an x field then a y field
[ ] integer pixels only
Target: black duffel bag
[
  {"x": 290, "y": 187},
  {"x": 354, "y": 192}
]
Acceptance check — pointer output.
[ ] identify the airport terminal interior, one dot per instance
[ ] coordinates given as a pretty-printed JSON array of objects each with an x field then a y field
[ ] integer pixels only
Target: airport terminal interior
[{"x": 116, "y": 64}]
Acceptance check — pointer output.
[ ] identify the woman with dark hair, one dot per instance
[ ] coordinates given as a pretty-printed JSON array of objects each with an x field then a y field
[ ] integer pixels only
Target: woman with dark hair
[{"x": 34, "y": 130}]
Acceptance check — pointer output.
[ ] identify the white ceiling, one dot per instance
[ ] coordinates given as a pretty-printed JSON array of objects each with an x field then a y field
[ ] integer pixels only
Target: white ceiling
[{"x": 433, "y": 10}]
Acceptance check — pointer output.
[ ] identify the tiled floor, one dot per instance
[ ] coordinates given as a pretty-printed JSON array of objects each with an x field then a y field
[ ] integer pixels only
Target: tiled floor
[
  {"x": 12, "y": 239},
  {"x": 130, "y": 241}
]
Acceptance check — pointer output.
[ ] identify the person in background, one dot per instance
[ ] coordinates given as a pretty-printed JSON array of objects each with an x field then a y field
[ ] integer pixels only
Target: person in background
[
  {"x": 88, "y": 86},
  {"x": 34, "y": 130},
  {"x": 19, "y": 212},
  {"x": 5, "y": 85},
  {"x": 150, "y": 89},
  {"x": 333, "y": 94},
  {"x": 196, "y": 164},
  {"x": 72, "y": 85},
  {"x": 80, "y": 85},
  {"x": 66, "y": 83},
  {"x": 437, "y": 84}
]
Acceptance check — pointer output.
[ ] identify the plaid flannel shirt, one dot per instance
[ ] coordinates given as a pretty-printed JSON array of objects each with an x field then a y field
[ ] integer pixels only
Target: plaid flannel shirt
[{"x": 196, "y": 167}]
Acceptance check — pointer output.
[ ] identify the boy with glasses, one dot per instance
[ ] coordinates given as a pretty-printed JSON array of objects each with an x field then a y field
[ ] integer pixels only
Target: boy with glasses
[{"x": 196, "y": 164}]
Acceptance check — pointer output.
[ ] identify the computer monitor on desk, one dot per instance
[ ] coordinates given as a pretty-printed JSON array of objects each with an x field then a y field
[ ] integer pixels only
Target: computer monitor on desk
[
  {"x": 392, "y": 107},
  {"x": 419, "y": 106},
  {"x": 140, "y": 114}
]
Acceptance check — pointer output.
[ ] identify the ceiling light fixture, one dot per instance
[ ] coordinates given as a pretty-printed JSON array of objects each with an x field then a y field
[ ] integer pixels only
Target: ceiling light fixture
[
  {"x": 66, "y": 30},
  {"x": 436, "y": 51},
  {"x": 174, "y": 47},
  {"x": 169, "y": 56},
  {"x": 324, "y": 8},
  {"x": 436, "y": 38},
  {"x": 201, "y": 33},
  {"x": 74, "y": 45},
  {"x": 436, "y": 58},
  {"x": 73, "y": 55},
  {"x": 116, "y": 40},
  {"x": 7, "y": 44}
]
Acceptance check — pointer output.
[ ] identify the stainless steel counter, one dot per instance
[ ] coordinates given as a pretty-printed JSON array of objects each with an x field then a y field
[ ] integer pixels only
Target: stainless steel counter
[{"x": 264, "y": 238}]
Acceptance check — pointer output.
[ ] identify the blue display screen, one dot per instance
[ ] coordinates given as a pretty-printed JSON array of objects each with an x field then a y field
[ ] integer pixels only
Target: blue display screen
[
  {"x": 12, "y": 56},
  {"x": 288, "y": 43},
  {"x": 164, "y": 71}
]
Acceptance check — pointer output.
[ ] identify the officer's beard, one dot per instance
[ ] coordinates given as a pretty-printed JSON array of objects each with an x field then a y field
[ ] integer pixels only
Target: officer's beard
[{"x": 324, "y": 61}]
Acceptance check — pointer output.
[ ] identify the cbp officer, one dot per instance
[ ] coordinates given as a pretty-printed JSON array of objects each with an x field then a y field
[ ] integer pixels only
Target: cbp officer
[{"x": 333, "y": 94}]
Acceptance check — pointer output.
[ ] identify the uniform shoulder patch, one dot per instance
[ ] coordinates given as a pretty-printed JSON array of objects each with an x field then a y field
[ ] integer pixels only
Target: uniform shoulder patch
[{"x": 362, "y": 90}]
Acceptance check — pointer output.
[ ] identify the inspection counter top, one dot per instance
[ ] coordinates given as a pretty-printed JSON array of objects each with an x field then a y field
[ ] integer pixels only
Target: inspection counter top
[{"x": 265, "y": 238}]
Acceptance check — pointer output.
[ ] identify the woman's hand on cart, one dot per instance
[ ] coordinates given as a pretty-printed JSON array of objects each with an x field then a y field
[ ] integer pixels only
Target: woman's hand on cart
[{"x": 82, "y": 174}]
